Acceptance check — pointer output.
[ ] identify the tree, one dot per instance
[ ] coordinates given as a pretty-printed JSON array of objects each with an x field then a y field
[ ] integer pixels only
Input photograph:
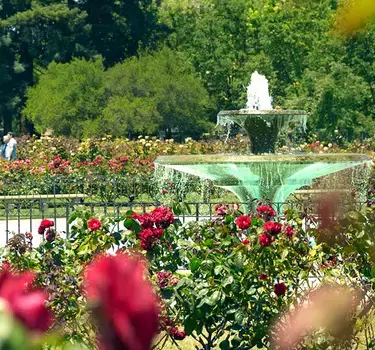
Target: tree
[
  {"x": 155, "y": 92},
  {"x": 37, "y": 32},
  {"x": 215, "y": 36},
  {"x": 120, "y": 28},
  {"x": 336, "y": 100},
  {"x": 152, "y": 93},
  {"x": 68, "y": 98}
]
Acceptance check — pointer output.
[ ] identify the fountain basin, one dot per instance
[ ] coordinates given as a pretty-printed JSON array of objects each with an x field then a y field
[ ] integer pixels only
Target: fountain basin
[{"x": 273, "y": 176}]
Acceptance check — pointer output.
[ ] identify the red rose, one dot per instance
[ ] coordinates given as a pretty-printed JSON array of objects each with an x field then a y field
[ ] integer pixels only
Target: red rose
[
  {"x": 145, "y": 220},
  {"x": 5, "y": 265},
  {"x": 272, "y": 227},
  {"x": 46, "y": 223},
  {"x": 127, "y": 313},
  {"x": 245, "y": 242},
  {"x": 94, "y": 224},
  {"x": 26, "y": 304},
  {"x": 266, "y": 210},
  {"x": 50, "y": 235},
  {"x": 279, "y": 289},
  {"x": 149, "y": 237},
  {"x": 243, "y": 222},
  {"x": 162, "y": 216},
  {"x": 265, "y": 240},
  {"x": 289, "y": 231},
  {"x": 263, "y": 277},
  {"x": 178, "y": 335}
]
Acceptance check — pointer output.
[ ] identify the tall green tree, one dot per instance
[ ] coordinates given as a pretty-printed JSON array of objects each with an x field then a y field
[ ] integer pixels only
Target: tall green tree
[
  {"x": 149, "y": 94},
  {"x": 37, "y": 33},
  {"x": 120, "y": 28},
  {"x": 215, "y": 36}
]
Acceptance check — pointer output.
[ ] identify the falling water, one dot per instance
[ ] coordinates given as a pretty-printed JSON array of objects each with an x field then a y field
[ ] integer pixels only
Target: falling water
[{"x": 258, "y": 97}]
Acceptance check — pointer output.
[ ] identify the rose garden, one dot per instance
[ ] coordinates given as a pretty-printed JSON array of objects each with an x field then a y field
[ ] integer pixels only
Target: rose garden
[
  {"x": 139, "y": 279},
  {"x": 185, "y": 175}
]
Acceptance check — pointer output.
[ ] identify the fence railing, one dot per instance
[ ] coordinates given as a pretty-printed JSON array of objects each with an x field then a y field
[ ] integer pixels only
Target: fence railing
[
  {"x": 24, "y": 203},
  {"x": 20, "y": 216}
]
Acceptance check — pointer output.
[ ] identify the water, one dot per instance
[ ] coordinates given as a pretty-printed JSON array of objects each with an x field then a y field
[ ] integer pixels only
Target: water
[
  {"x": 258, "y": 97},
  {"x": 265, "y": 175}
]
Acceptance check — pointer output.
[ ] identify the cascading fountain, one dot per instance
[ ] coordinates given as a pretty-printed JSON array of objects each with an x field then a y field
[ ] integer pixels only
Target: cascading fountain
[{"x": 264, "y": 174}]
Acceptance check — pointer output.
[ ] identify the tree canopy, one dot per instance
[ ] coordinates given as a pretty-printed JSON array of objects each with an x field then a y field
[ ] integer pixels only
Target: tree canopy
[
  {"x": 302, "y": 46},
  {"x": 150, "y": 94}
]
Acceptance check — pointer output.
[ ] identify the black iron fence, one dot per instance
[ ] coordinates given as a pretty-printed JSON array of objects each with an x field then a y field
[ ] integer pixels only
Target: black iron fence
[{"x": 24, "y": 203}]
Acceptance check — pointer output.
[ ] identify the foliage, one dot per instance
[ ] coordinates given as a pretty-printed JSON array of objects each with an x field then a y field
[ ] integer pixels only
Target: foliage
[
  {"x": 149, "y": 94},
  {"x": 217, "y": 281},
  {"x": 158, "y": 92},
  {"x": 68, "y": 99}
]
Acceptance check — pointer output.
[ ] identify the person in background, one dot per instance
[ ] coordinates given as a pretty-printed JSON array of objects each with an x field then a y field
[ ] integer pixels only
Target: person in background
[
  {"x": 4, "y": 146},
  {"x": 11, "y": 147}
]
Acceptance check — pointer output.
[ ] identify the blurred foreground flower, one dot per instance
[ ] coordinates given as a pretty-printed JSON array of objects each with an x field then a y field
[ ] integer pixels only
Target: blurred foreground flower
[
  {"x": 124, "y": 303},
  {"x": 354, "y": 15},
  {"x": 25, "y": 303},
  {"x": 329, "y": 307}
]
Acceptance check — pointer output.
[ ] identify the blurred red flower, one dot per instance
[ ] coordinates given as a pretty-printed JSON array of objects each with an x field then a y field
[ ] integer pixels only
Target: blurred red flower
[
  {"x": 126, "y": 305},
  {"x": 44, "y": 225},
  {"x": 163, "y": 217},
  {"x": 280, "y": 289},
  {"x": 25, "y": 303},
  {"x": 272, "y": 227}
]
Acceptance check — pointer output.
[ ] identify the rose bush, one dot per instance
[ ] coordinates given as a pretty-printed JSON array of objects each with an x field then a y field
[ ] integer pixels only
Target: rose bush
[
  {"x": 110, "y": 169},
  {"x": 222, "y": 282}
]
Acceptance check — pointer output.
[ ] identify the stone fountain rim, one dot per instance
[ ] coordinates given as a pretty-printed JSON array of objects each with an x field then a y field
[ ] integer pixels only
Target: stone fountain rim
[
  {"x": 268, "y": 158},
  {"x": 263, "y": 112}
]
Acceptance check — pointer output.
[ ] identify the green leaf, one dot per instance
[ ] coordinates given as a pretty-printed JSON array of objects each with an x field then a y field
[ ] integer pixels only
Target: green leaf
[
  {"x": 228, "y": 219},
  {"x": 73, "y": 217},
  {"x": 239, "y": 318},
  {"x": 229, "y": 280},
  {"x": 224, "y": 345},
  {"x": 214, "y": 298},
  {"x": 189, "y": 324},
  {"x": 218, "y": 269},
  {"x": 284, "y": 253},
  {"x": 194, "y": 264}
]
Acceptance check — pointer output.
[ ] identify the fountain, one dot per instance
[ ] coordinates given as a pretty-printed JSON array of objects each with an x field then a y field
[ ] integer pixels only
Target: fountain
[{"x": 263, "y": 174}]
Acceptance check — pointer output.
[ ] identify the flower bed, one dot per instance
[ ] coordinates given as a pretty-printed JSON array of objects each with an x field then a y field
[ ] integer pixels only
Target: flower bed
[{"x": 223, "y": 282}]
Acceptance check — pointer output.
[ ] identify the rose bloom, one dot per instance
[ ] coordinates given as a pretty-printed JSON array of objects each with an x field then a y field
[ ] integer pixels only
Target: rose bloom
[
  {"x": 266, "y": 210},
  {"x": 272, "y": 227},
  {"x": 243, "y": 222},
  {"x": 265, "y": 240},
  {"x": 126, "y": 307},
  {"x": 145, "y": 220},
  {"x": 44, "y": 225},
  {"x": 163, "y": 217},
  {"x": 289, "y": 231},
  {"x": 280, "y": 289},
  {"x": 245, "y": 242},
  {"x": 94, "y": 224},
  {"x": 263, "y": 277},
  {"x": 26, "y": 304}
]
